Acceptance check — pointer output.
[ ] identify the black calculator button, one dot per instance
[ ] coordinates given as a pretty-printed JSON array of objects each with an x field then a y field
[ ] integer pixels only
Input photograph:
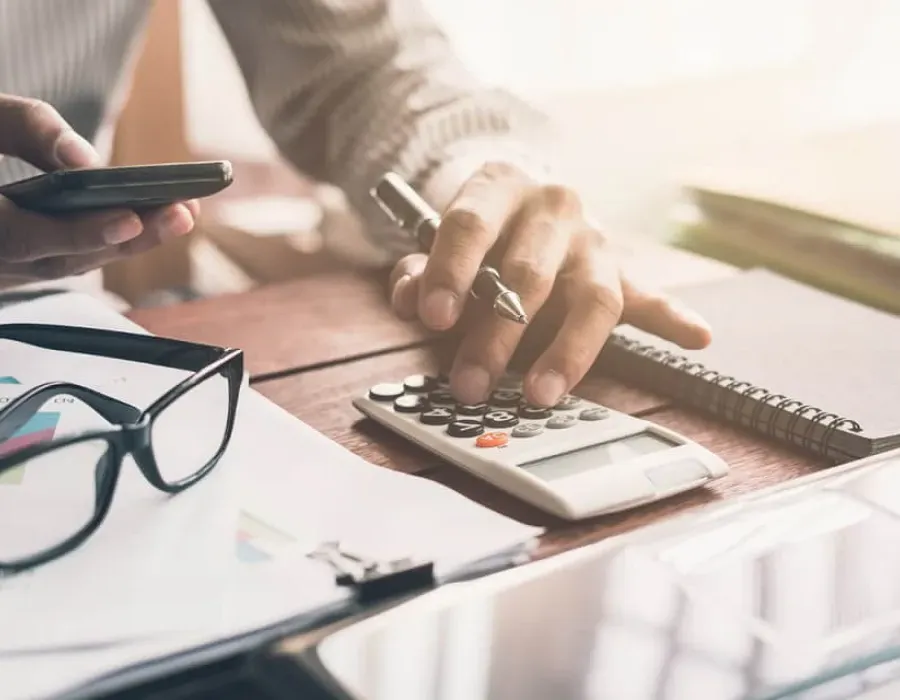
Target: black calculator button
[
  {"x": 441, "y": 381},
  {"x": 387, "y": 391},
  {"x": 505, "y": 398},
  {"x": 595, "y": 413},
  {"x": 471, "y": 409},
  {"x": 441, "y": 397},
  {"x": 437, "y": 415},
  {"x": 560, "y": 422},
  {"x": 418, "y": 383},
  {"x": 500, "y": 419},
  {"x": 567, "y": 403},
  {"x": 534, "y": 412},
  {"x": 465, "y": 428},
  {"x": 525, "y": 430},
  {"x": 410, "y": 403}
]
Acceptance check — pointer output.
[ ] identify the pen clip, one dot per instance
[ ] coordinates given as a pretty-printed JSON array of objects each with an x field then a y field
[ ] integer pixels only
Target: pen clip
[{"x": 386, "y": 209}]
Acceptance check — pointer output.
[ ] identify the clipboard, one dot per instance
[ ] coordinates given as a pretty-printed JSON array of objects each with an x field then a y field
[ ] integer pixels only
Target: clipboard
[{"x": 204, "y": 671}]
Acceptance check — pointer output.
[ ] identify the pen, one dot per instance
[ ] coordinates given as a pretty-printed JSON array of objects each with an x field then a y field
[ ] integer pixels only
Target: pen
[{"x": 415, "y": 216}]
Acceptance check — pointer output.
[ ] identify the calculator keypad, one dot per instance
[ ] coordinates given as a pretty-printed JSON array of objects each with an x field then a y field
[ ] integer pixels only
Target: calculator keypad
[
  {"x": 386, "y": 391},
  {"x": 525, "y": 430},
  {"x": 562, "y": 421},
  {"x": 410, "y": 403},
  {"x": 500, "y": 418},
  {"x": 490, "y": 424},
  {"x": 465, "y": 428},
  {"x": 437, "y": 415},
  {"x": 596, "y": 413}
]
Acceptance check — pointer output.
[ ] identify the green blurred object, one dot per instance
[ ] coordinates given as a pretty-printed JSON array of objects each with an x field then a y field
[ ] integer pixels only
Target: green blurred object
[{"x": 850, "y": 262}]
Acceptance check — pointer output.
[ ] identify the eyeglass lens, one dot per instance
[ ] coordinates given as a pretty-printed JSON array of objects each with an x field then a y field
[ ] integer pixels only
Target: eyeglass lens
[
  {"x": 189, "y": 432},
  {"x": 50, "y": 498}
]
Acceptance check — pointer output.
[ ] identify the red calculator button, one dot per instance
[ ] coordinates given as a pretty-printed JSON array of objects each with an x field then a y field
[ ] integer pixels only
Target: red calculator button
[{"x": 492, "y": 440}]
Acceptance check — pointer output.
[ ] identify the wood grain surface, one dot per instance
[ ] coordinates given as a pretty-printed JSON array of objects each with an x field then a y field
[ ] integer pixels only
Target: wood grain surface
[{"x": 312, "y": 321}]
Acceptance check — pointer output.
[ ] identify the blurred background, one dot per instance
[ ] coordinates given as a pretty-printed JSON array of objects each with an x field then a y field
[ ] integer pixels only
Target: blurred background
[{"x": 644, "y": 92}]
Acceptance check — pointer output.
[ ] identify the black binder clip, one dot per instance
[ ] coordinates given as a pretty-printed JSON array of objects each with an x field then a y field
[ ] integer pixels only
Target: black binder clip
[{"x": 372, "y": 580}]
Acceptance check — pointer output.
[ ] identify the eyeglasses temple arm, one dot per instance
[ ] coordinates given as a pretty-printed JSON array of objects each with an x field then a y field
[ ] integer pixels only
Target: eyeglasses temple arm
[{"x": 21, "y": 409}]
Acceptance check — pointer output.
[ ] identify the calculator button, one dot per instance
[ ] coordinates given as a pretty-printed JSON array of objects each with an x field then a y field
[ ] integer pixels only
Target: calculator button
[
  {"x": 527, "y": 430},
  {"x": 441, "y": 397},
  {"x": 500, "y": 419},
  {"x": 465, "y": 428},
  {"x": 596, "y": 413},
  {"x": 438, "y": 415},
  {"x": 418, "y": 383},
  {"x": 492, "y": 440},
  {"x": 534, "y": 412},
  {"x": 471, "y": 409},
  {"x": 410, "y": 403},
  {"x": 560, "y": 422},
  {"x": 567, "y": 403},
  {"x": 506, "y": 398},
  {"x": 386, "y": 391},
  {"x": 441, "y": 381}
]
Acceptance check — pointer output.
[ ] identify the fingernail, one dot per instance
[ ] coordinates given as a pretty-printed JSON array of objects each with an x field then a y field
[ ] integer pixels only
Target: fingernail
[
  {"x": 73, "y": 151},
  {"x": 548, "y": 387},
  {"x": 122, "y": 228},
  {"x": 441, "y": 308},
  {"x": 471, "y": 384}
]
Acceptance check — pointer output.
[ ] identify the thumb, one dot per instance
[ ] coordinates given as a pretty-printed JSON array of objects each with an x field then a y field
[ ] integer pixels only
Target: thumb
[
  {"x": 664, "y": 317},
  {"x": 35, "y": 132}
]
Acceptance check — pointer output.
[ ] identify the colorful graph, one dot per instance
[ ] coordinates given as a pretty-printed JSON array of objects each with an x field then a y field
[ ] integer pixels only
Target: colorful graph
[
  {"x": 41, "y": 427},
  {"x": 258, "y": 542}
]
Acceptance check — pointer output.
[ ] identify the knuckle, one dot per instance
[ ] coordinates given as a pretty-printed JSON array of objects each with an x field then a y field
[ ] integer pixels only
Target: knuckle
[
  {"x": 595, "y": 238},
  {"x": 527, "y": 274},
  {"x": 37, "y": 114},
  {"x": 604, "y": 300},
  {"x": 562, "y": 201},
  {"x": 498, "y": 170},
  {"x": 466, "y": 224}
]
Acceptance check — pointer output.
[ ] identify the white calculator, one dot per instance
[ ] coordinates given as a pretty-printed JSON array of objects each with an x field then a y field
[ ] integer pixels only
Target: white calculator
[{"x": 575, "y": 460}]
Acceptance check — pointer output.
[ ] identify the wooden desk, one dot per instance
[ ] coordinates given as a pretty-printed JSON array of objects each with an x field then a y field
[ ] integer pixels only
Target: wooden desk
[{"x": 314, "y": 344}]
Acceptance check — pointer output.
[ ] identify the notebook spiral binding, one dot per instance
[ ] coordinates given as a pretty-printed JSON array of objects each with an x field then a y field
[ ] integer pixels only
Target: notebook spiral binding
[{"x": 712, "y": 394}]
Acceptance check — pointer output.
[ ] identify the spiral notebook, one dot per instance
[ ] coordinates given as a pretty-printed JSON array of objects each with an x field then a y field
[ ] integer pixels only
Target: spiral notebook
[{"x": 787, "y": 360}]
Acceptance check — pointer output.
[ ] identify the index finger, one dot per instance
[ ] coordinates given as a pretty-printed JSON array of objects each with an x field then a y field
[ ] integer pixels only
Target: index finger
[
  {"x": 26, "y": 236},
  {"x": 468, "y": 230}
]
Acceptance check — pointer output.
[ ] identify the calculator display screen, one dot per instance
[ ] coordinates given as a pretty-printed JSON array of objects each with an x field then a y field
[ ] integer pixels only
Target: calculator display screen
[{"x": 602, "y": 455}]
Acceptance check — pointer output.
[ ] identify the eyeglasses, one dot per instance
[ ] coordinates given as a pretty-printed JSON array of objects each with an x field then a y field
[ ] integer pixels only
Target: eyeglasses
[{"x": 63, "y": 486}]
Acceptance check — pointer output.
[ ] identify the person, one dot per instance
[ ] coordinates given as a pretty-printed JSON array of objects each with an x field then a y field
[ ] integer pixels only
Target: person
[{"x": 347, "y": 90}]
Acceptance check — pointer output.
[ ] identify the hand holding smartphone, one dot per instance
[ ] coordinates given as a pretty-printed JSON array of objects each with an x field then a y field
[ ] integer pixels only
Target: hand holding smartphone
[{"x": 137, "y": 188}]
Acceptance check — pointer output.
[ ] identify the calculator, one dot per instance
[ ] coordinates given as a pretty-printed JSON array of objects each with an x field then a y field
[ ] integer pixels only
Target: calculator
[{"x": 575, "y": 460}]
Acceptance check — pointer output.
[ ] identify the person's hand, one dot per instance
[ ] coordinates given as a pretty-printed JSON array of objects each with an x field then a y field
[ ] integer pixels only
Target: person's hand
[
  {"x": 35, "y": 247},
  {"x": 542, "y": 244}
]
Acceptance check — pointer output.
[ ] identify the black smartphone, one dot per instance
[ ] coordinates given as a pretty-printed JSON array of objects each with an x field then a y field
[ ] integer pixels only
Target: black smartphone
[{"x": 136, "y": 187}]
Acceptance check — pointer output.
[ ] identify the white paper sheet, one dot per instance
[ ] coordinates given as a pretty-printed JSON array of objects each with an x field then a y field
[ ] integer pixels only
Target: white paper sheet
[{"x": 281, "y": 490}]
